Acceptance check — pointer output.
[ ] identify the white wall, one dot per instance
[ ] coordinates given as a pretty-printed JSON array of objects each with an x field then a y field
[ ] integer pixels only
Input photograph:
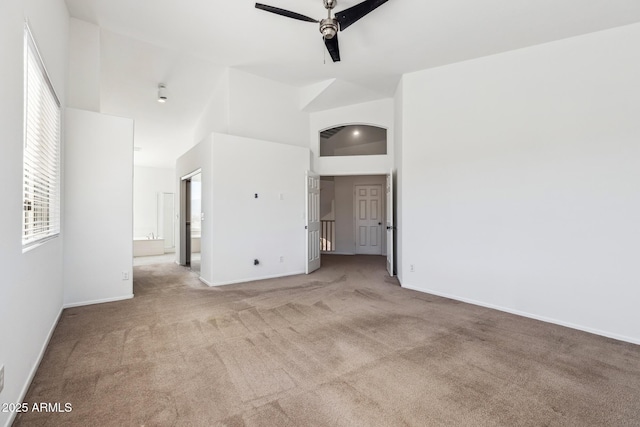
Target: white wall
[
  {"x": 32, "y": 284},
  {"x": 398, "y": 179},
  {"x": 264, "y": 109},
  {"x": 147, "y": 183},
  {"x": 215, "y": 117},
  {"x": 376, "y": 113},
  {"x": 266, "y": 228},
  {"x": 84, "y": 65},
  {"x": 344, "y": 188},
  {"x": 98, "y": 246},
  {"x": 254, "y": 107},
  {"x": 521, "y": 181},
  {"x": 372, "y": 147},
  {"x": 238, "y": 228},
  {"x": 327, "y": 199}
]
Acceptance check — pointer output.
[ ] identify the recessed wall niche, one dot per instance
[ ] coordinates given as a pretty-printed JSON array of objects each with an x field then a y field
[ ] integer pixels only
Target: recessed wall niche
[{"x": 353, "y": 140}]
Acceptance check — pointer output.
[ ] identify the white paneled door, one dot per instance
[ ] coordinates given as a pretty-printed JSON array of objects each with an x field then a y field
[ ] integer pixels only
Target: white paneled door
[
  {"x": 389, "y": 218},
  {"x": 369, "y": 219},
  {"x": 313, "y": 221}
]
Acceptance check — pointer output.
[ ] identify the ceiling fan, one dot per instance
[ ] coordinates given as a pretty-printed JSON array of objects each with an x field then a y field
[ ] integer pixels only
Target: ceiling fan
[{"x": 329, "y": 27}]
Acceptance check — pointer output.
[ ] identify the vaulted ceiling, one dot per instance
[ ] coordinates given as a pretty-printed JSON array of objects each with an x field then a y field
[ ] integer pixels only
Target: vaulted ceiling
[{"x": 196, "y": 39}]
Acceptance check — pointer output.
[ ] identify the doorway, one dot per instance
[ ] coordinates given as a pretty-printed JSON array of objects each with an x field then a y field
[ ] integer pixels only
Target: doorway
[
  {"x": 354, "y": 216},
  {"x": 191, "y": 224}
]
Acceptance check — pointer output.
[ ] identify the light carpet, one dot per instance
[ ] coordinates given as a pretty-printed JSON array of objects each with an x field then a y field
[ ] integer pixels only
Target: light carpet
[{"x": 344, "y": 346}]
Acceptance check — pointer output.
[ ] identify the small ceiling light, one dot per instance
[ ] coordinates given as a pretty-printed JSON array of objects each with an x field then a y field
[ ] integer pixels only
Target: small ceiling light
[
  {"x": 356, "y": 132},
  {"x": 162, "y": 93}
]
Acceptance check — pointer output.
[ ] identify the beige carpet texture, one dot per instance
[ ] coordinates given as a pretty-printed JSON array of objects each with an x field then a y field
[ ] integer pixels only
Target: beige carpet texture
[{"x": 344, "y": 346}]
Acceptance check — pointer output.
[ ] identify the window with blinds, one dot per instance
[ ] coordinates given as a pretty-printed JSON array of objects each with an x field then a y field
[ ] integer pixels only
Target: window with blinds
[{"x": 41, "y": 154}]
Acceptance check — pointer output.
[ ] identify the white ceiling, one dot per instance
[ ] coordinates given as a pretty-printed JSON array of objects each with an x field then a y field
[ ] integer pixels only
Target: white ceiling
[
  {"x": 130, "y": 73},
  {"x": 188, "y": 43}
]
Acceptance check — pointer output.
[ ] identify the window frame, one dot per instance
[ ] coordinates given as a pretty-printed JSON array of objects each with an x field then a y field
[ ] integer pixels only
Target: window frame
[
  {"x": 42, "y": 147},
  {"x": 341, "y": 130}
]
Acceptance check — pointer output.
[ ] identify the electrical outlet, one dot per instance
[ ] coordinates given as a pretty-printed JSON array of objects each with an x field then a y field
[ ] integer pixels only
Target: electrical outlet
[
  {"x": 411, "y": 268},
  {"x": 1, "y": 378},
  {"x": 125, "y": 275},
  {"x": 281, "y": 259}
]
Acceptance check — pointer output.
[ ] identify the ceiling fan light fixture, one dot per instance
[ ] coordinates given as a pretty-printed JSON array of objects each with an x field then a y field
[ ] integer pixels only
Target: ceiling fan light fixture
[
  {"x": 328, "y": 28},
  {"x": 162, "y": 93}
]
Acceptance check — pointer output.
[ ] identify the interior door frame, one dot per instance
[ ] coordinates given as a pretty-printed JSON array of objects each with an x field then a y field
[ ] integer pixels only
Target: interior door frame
[
  {"x": 389, "y": 222},
  {"x": 185, "y": 217},
  {"x": 390, "y": 226}
]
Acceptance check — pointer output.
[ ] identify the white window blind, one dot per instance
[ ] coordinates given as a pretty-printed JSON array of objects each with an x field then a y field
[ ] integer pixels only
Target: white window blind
[{"x": 41, "y": 154}]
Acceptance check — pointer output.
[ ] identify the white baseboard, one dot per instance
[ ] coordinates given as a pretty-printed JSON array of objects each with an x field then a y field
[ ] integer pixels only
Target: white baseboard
[
  {"x": 204, "y": 281},
  {"x": 337, "y": 253},
  {"x": 255, "y": 279},
  {"x": 100, "y": 301},
  {"x": 35, "y": 367},
  {"x": 528, "y": 315},
  {"x": 350, "y": 253}
]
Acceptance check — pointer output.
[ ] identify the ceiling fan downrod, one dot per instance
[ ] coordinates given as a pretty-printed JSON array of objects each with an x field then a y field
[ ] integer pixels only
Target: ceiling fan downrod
[{"x": 329, "y": 26}]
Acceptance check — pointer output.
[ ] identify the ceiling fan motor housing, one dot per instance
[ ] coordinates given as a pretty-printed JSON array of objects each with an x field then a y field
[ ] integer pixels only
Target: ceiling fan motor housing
[{"x": 328, "y": 28}]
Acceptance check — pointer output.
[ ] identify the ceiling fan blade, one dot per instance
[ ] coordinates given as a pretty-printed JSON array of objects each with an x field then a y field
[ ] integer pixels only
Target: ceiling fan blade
[
  {"x": 332, "y": 47},
  {"x": 284, "y": 12},
  {"x": 355, "y": 13}
]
